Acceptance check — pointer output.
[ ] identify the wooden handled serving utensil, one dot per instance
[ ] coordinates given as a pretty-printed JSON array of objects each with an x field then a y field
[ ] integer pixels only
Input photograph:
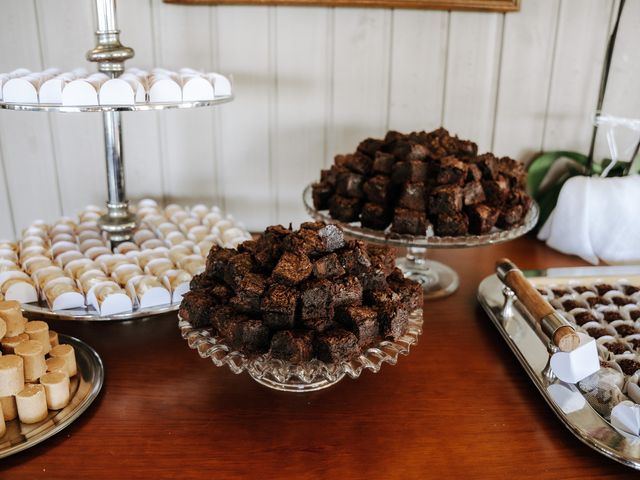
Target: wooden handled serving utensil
[{"x": 553, "y": 325}]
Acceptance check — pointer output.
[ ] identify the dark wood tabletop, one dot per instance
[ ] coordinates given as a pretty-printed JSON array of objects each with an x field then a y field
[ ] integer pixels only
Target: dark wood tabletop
[{"x": 459, "y": 406}]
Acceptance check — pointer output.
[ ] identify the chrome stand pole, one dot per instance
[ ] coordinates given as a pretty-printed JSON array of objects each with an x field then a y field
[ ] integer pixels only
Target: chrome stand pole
[{"x": 110, "y": 56}]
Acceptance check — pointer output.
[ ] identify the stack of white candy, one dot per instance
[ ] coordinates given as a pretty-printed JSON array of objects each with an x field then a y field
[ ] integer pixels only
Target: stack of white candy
[
  {"x": 133, "y": 87},
  {"x": 30, "y": 383},
  {"x": 69, "y": 265}
]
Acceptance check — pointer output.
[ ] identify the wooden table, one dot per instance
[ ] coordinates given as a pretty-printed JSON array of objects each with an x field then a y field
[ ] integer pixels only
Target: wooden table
[{"x": 458, "y": 406}]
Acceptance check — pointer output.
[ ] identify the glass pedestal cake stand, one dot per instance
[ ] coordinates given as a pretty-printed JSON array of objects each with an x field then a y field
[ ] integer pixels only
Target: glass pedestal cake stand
[
  {"x": 306, "y": 376},
  {"x": 437, "y": 279}
]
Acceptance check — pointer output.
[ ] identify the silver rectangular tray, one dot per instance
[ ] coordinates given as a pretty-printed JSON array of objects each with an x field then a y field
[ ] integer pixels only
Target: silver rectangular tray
[{"x": 585, "y": 423}]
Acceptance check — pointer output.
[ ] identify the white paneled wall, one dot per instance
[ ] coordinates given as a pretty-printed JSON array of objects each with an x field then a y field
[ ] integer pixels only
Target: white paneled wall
[{"x": 310, "y": 83}]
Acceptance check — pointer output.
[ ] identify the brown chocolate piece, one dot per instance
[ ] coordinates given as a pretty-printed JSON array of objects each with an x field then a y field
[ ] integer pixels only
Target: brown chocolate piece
[
  {"x": 348, "y": 291},
  {"x": 393, "y": 319},
  {"x": 350, "y": 184},
  {"x": 514, "y": 171},
  {"x": 345, "y": 209},
  {"x": 328, "y": 266},
  {"x": 269, "y": 246},
  {"x": 278, "y": 307},
  {"x": 581, "y": 289},
  {"x": 584, "y": 317},
  {"x": 374, "y": 279},
  {"x": 196, "y": 308},
  {"x": 594, "y": 301},
  {"x": 597, "y": 332},
  {"x": 629, "y": 366},
  {"x": 410, "y": 292},
  {"x": 292, "y": 268},
  {"x": 482, "y": 218},
  {"x": 217, "y": 261},
  {"x": 634, "y": 314},
  {"x": 630, "y": 289},
  {"x": 375, "y": 216},
  {"x": 472, "y": 193},
  {"x": 237, "y": 267},
  {"x": 473, "y": 173},
  {"x": 559, "y": 292},
  {"x": 316, "y": 300},
  {"x": 321, "y": 194},
  {"x": 620, "y": 301},
  {"x": 451, "y": 171},
  {"x": 378, "y": 189},
  {"x": 293, "y": 346},
  {"x": 409, "y": 171},
  {"x": 354, "y": 258},
  {"x": 409, "y": 222},
  {"x": 200, "y": 282},
  {"x": 383, "y": 163},
  {"x": 488, "y": 165},
  {"x": 625, "y": 330},
  {"x": 412, "y": 196},
  {"x": 603, "y": 288},
  {"x": 381, "y": 256},
  {"x": 220, "y": 292},
  {"x": 362, "y": 321},
  {"x": 454, "y": 225},
  {"x": 221, "y": 317},
  {"x": 510, "y": 216},
  {"x": 248, "y": 293},
  {"x": 496, "y": 190},
  {"x": 610, "y": 316},
  {"x": 569, "y": 305},
  {"x": 335, "y": 345},
  {"x": 616, "y": 348},
  {"x": 635, "y": 342},
  {"x": 446, "y": 199},
  {"x": 370, "y": 146}
]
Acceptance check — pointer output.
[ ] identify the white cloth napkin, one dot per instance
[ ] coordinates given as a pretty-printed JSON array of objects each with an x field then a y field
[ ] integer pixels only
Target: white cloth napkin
[{"x": 597, "y": 219}]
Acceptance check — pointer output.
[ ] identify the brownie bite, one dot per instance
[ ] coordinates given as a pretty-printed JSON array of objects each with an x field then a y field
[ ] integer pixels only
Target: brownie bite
[
  {"x": 293, "y": 346},
  {"x": 316, "y": 299},
  {"x": 411, "y": 293},
  {"x": 362, "y": 321},
  {"x": 482, "y": 218},
  {"x": 253, "y": 336},
  {"x": 446, "y": 199},
  {"x": 335, "y": 345},
  {"x": 409, "y": 222},
  {"x": 328, "y": 266},
  {"x": 375, "y": 216},
  {"x": 451, "y": 225},
  {"x": 292, "y": 268},
  {"x": 354, "y": 257},
  {"x": 321, "y": 194},
  {"x": 248, "y": 293},
  {"x": 196, "y": 308},
  {"x": 345, "y": 209},
  {"x": 278, "y": 306},
  {"x": 378, "y": 189},
  {"x": 350, "y": 184},
  {"x": 348, "y": 291},
  {"x": 451, "y": 171}
]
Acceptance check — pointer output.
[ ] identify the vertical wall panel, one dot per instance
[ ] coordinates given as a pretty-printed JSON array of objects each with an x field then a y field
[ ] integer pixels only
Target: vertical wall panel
[
  {"x": 25, "y": 137},
  {"x": 141, "y": 139},
  {"x": 419, "y": 49},
  {"x": 7, "y": 231},
  {"x": 244, "y": 43},
  {"x": 524, "y": 79},
  {"x": 66, "y": 34},
  {"x": 472, "y": 73},
  {"x": 182, "y": 39},
  {"x": 362, "y": 39},
  {"x": 301, "y": 50},
  {"x": 582, "y": 33}
]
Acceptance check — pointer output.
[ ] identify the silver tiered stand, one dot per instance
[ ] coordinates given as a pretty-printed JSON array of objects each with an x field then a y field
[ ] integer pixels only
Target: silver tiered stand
[{"x": 110, "y": 55}]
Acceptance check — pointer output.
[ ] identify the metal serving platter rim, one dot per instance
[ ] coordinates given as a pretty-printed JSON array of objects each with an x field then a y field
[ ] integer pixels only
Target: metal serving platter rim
[
  {"x": 586, "y": 424},
  {"x": 355, "y": 230},
  {"x": 91, "y": 368},
  {"x": 84, "y": 314},
  {"x": 49, "y": 107}
]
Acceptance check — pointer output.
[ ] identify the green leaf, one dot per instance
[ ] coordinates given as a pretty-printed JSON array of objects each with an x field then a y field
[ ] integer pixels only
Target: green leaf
[{"x": 540, "y": 166}]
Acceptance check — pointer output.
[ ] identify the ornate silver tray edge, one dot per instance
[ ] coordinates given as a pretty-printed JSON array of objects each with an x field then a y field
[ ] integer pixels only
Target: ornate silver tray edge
[
  {"x": 92, "y": 370},
  {"x": 586, "y": 424}
]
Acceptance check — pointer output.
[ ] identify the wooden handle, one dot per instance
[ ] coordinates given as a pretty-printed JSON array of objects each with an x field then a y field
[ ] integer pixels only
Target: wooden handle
[
  {"x": 564, "y": 337},
  {"x": 529, "y": 296}
]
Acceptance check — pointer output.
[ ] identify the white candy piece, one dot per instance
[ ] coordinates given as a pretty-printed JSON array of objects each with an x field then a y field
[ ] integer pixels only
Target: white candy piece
[
  {"x": 164, "y": 90},
  {"x": 21, "y": 90},
  {"x": 148, "y": 291},
  {"x": 109, "y": 299},
  {"x": 221, "y": 84},
  {"x": 32, "y": 404},
  {"x": 196, "y": 88}
]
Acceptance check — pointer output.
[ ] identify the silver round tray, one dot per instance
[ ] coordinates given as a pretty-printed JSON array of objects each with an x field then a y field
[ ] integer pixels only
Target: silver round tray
[
  {"x": 439, "y": 280},
  {"x": 89, "y": 314},
  {"x": 46, "y": 107},
  {"x": 85, "y": 387},
  {"x": 305, "y": 376}
]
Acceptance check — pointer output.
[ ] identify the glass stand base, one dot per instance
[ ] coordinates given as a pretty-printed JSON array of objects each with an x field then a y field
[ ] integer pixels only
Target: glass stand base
[
  {"x": 291, "y": 386},
  {"x": 437, "y": 279}
]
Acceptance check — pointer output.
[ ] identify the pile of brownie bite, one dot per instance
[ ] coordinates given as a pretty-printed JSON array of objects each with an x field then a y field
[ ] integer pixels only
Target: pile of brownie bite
[
  {"x": 302, "y": 294},
  {"x": 423, "y": 181}
]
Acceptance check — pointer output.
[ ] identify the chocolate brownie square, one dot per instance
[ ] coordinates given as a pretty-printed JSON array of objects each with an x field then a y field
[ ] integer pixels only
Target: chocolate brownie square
[
  {"x": 220, "y": 292},
  {"x": 454, "y": 225},
  {"x": 237, "y": 267},
  {"x": 473, "y": 173},
  {"x": 370, "y": 146},
  {"x": 467, "y": 148},
  {"x": 350, "y": 184},
  {"x": 393, "y": 319},
  {"x": 362, "y": 321},
  {"x": 445, "y": 199},
  {"x": 328, "y": 266},
  {"x": 254, "y": 336},
  {"x": 335, "y": 345},
  {"x": 373, "y": 279},
  {"x": 217, "y": 260},
  {"x": 496, "y": 190},
  {"x": 331, "y": 238},
  {"x": 345, "y": 209},
  {"x": 348, "y": 291},
  {"x": 510, "y": 216},
  {"x": 321, "y": 194},
  {"x": 381, "y": 256},
  {"x": 375, "y": 216},
  {"x": 354, "y": 258},
  {"x": 514, "y": 171},
  {"x": 200, "y": 282},
  {"x": 411, "y": 293},
  {"x": 196, "y": 308},
  {"x": 293, "y": 346},
  {"x": 412, "y": 196},
  {"x": 416, "y": 151},
  {"x": 248, "y": 293},
  {"x": 383, "y": 163},
  {"x": 278, "y": 306},
  {"x": 482, "y": 218},
  {"x": 331, "y": 176},
  {"x": 316, "y": 299},
  {"x": 409, "y": 222},
  {"x": 409, "y": 171},
  {"x": 292, "y": 268},
  {"x": 473, "y": 193},
  {"x": 359, "y": 163},
  {"x": 269, "y": 246},
  {"x": 451, "y": 171},
  {"x": 220, "y": 318},
  {"x": 488, "y": 165},
  {"x": 378, "y": 189}
]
